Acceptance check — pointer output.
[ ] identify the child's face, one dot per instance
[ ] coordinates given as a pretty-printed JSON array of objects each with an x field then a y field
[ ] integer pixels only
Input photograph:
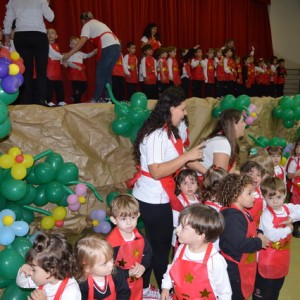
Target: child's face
[
  {"x": 126, "y": 224},
  {"x": 198, "y": 53},
  {"x": 40, "y": 276},
  {"x": 228, "y": 53},
  {"x": 239, "y": 127},
  {"x": 275, "y": 201},
  {"x": 173, "y": 53},
  {"x": 73, "y": 43},
  {"x": 132, "y": 49},
  {"x": 186, "y": 234},
  {"x": 282, "y": 64},
  {"x": 256, "y": 177},
  {"x": 219, "y": 53},
  {"x": 188, "y": 186},
  {"x": 149, "y": 52},
  {"x": 238, "y": 60},
  {"x": 297, "y": 150},
  {"x": 276, "y": 158},
  {"x": 153, "y": 31},
  {"x": 210, "y": 54},
  {"x": 101, "y": 268},
  {"x": 52, "y": 35},
  {"x": 245, "y": 199},
  {"x": 164, "y": 55}
]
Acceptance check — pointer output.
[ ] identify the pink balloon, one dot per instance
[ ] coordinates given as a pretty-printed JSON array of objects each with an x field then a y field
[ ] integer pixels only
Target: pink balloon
[
  {"x": 249, "y": 120},
  {"x": 72, "y": 199},
  {"x": 252, "y": 108},
  {"x": 81, "y": 189},
  {"x": 74, "y": 207}
]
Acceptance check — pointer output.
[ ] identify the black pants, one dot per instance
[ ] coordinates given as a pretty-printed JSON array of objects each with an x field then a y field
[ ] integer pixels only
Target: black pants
[
  {"x": 185, "y": 82},
  {"x": 78, "y": 88},
  {"x": 150, "y": 90},
  {"x": 209, "y": 89},
  {"x": 197, "y": 88},
  {"x": 158, "y": 220},
  {"x": 267, "y": 289},
  {"x": 33, "y": 47},
  {"x": 118, "y": 87},
  {"x": 57, "y": 87},
  {"x": 131, "y": 89}
]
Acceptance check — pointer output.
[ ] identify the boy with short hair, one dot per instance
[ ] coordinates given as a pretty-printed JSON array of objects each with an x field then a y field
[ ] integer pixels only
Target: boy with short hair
[
  {"x": 132, "y": 251},
  {"x": 276, "y": 154},
  {"x": 131, "y": 62},
  {"x": 198, "y": 270},
  {"x": 276, "y": 223}
]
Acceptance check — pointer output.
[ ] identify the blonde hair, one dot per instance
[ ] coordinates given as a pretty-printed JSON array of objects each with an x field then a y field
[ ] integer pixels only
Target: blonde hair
[
  {"x": 124, "y": 205},
  {"x": 88, "y": 250}
]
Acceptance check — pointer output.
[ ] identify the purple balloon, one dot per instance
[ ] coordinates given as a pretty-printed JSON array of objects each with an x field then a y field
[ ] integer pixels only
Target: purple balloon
[
  {"x": 103, "y": 227},
  {"x": 4, "y": 60},
  {"x": 100, "y": 215},
  {"x": 20, "y": 77},
  {"x": 93, "y": 214},
  {"x": 74, "y": 207},
  {"x": 81, "y": 189},
  {"x": 72, "y": 199},
  {"x": 4, "y": 69},
  {"x": 10, "y": 84}
]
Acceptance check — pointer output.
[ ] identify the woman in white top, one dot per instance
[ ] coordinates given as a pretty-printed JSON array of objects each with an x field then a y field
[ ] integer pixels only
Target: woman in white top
[
  {"x": 159, "y": 152},
  {"x": 31, "y": 42},
  {"x": 151, "y": 36},
  {"x": 222, "y": 148},
  {"x": 109, "y": 49}
]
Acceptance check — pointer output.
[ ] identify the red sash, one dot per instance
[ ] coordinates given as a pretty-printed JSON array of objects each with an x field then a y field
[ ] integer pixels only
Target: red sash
[
  {"x": 213, "y": 205},
  {"x": 296, "y": 189},
  {"x": 280, "y": 175},
  {"x": 256, "y": 210},
  {"x": 132, "y": 62},
  {"x": 130, "y": 252},
  {"x": 274, "y": 261},
  {"x": 60, "y": 289},
  {"x": 191, "y": 278},
  {"x": 247, "y": 264},
  {"x": 110, "y": 283},
  {"x": 175, "y": 71},
  {"x": 186, "y": 202}
]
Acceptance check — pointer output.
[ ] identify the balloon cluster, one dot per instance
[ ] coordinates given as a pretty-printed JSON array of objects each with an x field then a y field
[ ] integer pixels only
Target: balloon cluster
[
  {"x": 45, "y": 182},
  {"x": 11, "y": 259},
  {"x": 100, "y": 223},
  {"x": 264, "y": 142},
  {"x": 241, "y": 103},
  {"x": 76, "y": 200},
  {"x": 129, "y": 116},
  {"x": 288, "y": 110},
  {"x": 10, "y": 228}
]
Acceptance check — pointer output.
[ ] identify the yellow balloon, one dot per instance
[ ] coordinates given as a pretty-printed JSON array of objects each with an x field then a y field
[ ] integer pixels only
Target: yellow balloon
[
  {"x": 15, "y": 55},
  {"x": 6, "y": 161},
  {"x": 82, "y": 200},
  {"x": 14, "y": 151},
  {"x": 283, "y": 161},
  {"x": 7, "y": 220},
  {"x": 59, "y": 213},
  {"x": 253, "y": 115},
  {"x": 95, "y": 222},
  {"x": 18, "y": 171},
  {"x": 47, "y": 222},
  {"x": 28, "y": 161},
  {"x": 13, "y": 69}
]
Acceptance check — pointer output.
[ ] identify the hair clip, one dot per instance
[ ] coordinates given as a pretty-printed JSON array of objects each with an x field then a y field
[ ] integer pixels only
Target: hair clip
[{"x": 253, "y": 151}]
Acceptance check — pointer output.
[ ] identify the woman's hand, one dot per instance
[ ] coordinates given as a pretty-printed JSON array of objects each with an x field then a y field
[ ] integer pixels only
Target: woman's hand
[{"x": 196, "y": 153}]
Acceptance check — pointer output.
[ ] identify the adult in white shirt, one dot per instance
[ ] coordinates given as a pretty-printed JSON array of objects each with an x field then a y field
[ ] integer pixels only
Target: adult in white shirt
[
  {"x": 31, "y": 42},
  {"x": 151, "y": 36},
  {"x": 109, "y": 49},
  {"x": 222, "y": 148},
  {"x": 159, "y": 152}
]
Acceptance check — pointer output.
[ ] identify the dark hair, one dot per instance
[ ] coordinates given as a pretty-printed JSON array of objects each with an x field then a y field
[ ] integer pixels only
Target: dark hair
[
  {"x": 146, "y": 47},
  {"x": 275, "y": 150},
  {"x": 86, "y": 15},
  {"x": 203, "y": 219},
  {"x": 249, "y": 165},
  {"x": 231, "y": 187},
  {"x": 53, "y": 254},
  {"x": 129, "y": 44},
  {"x": 147, "y": 32},
  {"x": 296, "y": 144},
  {"x": 211, "y": 182},
  {"x": 181, "y": 177},
  {"x": 226, "y": 50},
  {"x": 270, "y": 185},
  {"x": 161, "y": 115},
  {"x": 225, "y": 127}
]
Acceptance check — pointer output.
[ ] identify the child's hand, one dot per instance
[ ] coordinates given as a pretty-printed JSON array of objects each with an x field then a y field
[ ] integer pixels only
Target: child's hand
[
  {"x": 164, "y": 295},
  {"x": 137, "y": 270},
  {"x": 264, "y": 240},
  {"x": 37, "y": 295},
  {"x": 288, "y": 221},
  {"x": 79, "y": 68},
  {"x": 95, "y": 51},
  {"x": 26, "y": 269}
]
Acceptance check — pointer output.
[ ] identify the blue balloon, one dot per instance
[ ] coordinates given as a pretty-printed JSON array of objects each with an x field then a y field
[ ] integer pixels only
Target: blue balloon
[
  {"x": 20, "y": 228},
  {"x": 4, "y": 60},
  {"x": 7, "y": 236},
  {"x": 10, "y": 84},
  {"x": 7, "y": 212},
  {"x": 4, "y": 69}
]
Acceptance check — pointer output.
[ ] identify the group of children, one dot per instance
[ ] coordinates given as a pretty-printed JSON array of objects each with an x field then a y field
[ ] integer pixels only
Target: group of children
[{"x": 232, "y": 241}]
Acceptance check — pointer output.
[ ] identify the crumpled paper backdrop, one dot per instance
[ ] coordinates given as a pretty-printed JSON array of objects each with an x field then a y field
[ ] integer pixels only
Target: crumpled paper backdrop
[{"x": 82, "y": 134}]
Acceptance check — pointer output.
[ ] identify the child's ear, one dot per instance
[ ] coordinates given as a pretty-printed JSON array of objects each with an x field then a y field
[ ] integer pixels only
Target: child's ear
[
  {"x": 113, "y": 220},
  {"x": 138, "y": 215}
]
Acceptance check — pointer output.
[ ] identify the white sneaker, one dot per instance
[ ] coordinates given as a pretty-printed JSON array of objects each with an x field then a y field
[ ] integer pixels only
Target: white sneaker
[
  {"x": 51, "y": 104},
  {"x": 62, "y": 103},
  {"x": 151, "y": 293},
  {"x": 94, "y": 100}
]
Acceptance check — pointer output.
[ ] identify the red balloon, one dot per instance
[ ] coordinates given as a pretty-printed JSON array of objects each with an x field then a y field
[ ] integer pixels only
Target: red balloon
[
  {"x": 4, "y": 52},
  {"x": 21, "y": 66}
]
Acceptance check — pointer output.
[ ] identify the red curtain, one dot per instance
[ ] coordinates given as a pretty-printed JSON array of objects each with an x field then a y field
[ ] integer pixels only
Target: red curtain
[{"x": 182, "y": 23}]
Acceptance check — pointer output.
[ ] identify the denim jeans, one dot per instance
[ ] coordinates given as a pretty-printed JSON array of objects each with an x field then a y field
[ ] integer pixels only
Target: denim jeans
[{"x": 104, "y": 68}]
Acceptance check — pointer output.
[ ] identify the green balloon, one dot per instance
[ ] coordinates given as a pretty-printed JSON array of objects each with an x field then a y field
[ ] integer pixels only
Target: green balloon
[
  {"x": 55, "y": 160},
  {"x": 227, "y": 103},
  {"x": 44, "y": 172},
  {"x": 216, "y": 112},
  {"x": 121, "y": 110},
  {"x": 275, "y": 141},
  {"x": 297, "y": 100},
  {"x": 244, "y": 100},
  {"x": 298, "y": 132},
  {"x": 13, "y": 292},
  {"x": 27, "y": 215},
  {"x": 4, "y": 283},
  {"x": 41, "y": 199},
  {"x": 22, "y": 245},
  {"x": 13, "y": 189},
  {"x": 110, "y": 197},
  {"x": 54, "y": 191},
  {"x": 297, "y": 113},
  {"x": 10, "y": 262},
  {"x": 137, "y": 116},
  {"x": 5, "y": 128},
  {"x": 229, "y": 96},
  {"x": 277, "y": 112},
  {"x": 3, "y": 112},
  {"x": 282, "y": 143},
  {"x": 29, "y": 196},
  {"x": 139, "y": 99},
  {"x": 263, "y": 141},
  {"x": 288, "y": 115},
  {"x": 8, "y": 98},
  {"x": 133, "y": 133},
  {"x": 286, "y": 102},
  {"x": 2, "y": 202},
  {"x": 63, "y": 201},
  {"x": 288, "y": 123},
  {"x": 121, "y": 125},
  {"x": 15, "y": 208},
  {"x": 68, "y": 172},
  {"x": 31, "y": 177}
]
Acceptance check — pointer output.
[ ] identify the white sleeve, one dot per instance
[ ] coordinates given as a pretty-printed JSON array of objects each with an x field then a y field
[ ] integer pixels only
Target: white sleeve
[
  {"x": 125, "y": 60},
  {"x": 24, "y": 281},
  {"x": 54, "y": 54},
  {"x": 144, "y": 39},
  {"x": 272, "y": 233},
  {"x": 9, "y": 18},
  {"x": 47, "y": 11},
  {"x": 71, "y": 291},
  {"x": 143, "y": 67},
  {"x": 86, "y": 30},
  {"x": 292, "y": 167},
  {"x": 218, "y": 277},
  {"x": 169, "y": 62},
  {"x": 226, "y": 69},
  {"x": 204, "y": 66},
  {"x": 295, "y": 211},
  {"x": 125, "y": 67},
  {"x": 194, "y": 63}
]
